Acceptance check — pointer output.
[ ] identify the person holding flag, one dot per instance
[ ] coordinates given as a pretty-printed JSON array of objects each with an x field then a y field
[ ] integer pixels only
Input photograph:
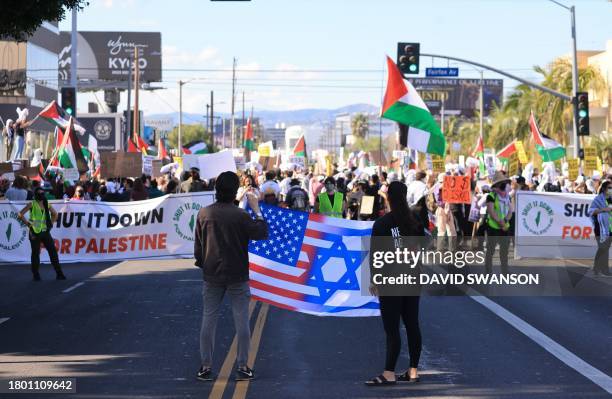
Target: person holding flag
[
  {"x": 42, "y": 217},
  {"x": 499, "y": 214}
]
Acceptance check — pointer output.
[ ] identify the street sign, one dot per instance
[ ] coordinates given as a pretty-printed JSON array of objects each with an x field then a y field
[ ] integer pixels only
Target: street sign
[{"x": 437, "y": 72}]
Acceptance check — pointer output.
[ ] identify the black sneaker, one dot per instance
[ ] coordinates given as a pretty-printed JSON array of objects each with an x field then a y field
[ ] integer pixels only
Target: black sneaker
[
  {"x": 60, "y": 276},
  {"x": 244, "y": 374},
  {"x": 205, "y": 374},
  {"x": 36, "y": 277}
]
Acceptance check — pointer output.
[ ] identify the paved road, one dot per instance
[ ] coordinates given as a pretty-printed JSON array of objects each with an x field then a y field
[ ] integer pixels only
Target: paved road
[{"x": 131, "y": 331}]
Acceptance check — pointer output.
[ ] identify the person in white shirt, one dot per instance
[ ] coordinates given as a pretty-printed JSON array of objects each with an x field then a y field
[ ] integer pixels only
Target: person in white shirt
[
  {"x": 270, "y": 184},
  {"x": 285, "y": 184},
  {"x": 417, "y": 188}
]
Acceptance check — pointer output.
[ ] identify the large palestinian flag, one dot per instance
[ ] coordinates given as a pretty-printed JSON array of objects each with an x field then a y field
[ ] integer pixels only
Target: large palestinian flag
[
  {"x": 507, "y": 150},
  {"x": 55, "y": 114},
  {"x": 402, "y": 104},
  {"x": 70, "y": 154},
  {"x": 548, "y": 148}
]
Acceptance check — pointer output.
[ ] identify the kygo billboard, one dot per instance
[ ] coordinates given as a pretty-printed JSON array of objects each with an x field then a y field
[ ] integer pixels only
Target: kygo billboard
[{"x": 106, "y": 55}]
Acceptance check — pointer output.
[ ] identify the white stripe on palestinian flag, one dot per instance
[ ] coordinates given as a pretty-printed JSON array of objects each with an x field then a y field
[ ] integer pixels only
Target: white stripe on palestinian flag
[
  {"x": 70, "y": 154},
  {"x": 548, "y": 148},
  {"x": 55, "y": 114},
  {"x": 403, "y": 104}
]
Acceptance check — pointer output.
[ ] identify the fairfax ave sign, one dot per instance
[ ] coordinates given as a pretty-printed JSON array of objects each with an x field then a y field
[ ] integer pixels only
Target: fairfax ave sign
[{"x": 87, "y": 231}]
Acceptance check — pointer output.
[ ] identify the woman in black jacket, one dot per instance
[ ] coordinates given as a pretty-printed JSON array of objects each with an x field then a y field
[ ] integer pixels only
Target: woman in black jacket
[{"x": 404, "y": 229}]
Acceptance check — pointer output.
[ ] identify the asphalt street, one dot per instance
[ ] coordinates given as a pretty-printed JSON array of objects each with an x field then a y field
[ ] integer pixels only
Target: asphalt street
[{"x": 130, "y": 330}]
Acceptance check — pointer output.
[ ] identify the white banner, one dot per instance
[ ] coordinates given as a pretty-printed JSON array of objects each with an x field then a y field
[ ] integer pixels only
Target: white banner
[
  {"x": 554, "y": 225},
  {"x": 90, "y": 231}
]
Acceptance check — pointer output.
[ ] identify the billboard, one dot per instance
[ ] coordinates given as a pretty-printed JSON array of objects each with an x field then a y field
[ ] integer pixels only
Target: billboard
[
  {"x": 460, "y": 96},
  {"x": 106, "y": 55},
  {"x": 106, "y": 128}
]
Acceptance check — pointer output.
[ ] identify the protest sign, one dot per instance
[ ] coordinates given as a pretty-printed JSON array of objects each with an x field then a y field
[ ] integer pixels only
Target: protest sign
[
  {"x": 367, "y": 205},
  {"x": 520, "y": 150},
  {"x": 120, "y": 164},
  {"x": 437, "y": 164},
  {"x": 513, "y": 164},
  {"x": 27, "y": 172},
  {"x": 212, "y": 165},
  {"x": 71, "y": 174},
  {"x": 299, "y": 161},
  {"x": 147, "y": 164},
  {"x": 157, "y": 164},
  {"x": 573, "y": 168},
  {"x": 456, "y": 190},
  {"x": 6, "y": 167},
  {"x": 240, "y": 162}
]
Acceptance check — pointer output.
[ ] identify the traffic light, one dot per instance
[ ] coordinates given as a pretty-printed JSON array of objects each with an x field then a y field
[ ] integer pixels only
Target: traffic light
[
  {"x": 69, "y": 100},
  {"x": 582, "y": 113},
  {"x": 408, "y": 58}
]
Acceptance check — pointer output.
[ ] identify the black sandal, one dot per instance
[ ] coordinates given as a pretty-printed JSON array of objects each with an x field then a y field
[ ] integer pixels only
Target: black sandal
[
  {"x": 405, "y": 377},
  {"x": 380, "y": 380}
]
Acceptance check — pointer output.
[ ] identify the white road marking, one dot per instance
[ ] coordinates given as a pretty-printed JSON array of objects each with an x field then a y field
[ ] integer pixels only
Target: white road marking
[
  {"x": 3, "y": 319},
  {"x": 74, "y": 287},
  {"x": 597, "y": 376}
]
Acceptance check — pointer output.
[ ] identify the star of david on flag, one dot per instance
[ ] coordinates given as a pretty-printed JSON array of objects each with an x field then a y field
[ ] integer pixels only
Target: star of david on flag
[{"x": 311, "y": 263}]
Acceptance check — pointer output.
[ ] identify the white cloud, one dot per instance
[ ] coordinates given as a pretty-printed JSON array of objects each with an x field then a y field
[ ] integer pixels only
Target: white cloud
[{"x": 174, "y": 57}]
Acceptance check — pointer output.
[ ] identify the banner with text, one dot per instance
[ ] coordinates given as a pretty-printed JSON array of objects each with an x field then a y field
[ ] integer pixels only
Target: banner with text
[
  {"x": 90, "y": 231},
  {"x": 554, "y": 225}
]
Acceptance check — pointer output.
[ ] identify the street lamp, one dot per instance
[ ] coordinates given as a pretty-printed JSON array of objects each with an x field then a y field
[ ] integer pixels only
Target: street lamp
[
  {"x": 181, "y": 84},
  {"x": 572, "y": 11}
]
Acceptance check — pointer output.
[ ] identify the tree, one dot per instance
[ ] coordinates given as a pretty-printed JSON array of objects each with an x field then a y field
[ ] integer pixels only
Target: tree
[
  {"x": 359, "y": 126},
  {"x": 190, "y": 133},
  {"x": 20, "y": 18},
  {"x": 603, "y": 144}
]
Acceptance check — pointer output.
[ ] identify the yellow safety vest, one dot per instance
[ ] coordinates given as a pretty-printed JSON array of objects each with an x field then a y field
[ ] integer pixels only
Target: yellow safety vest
[
  {"x": 326, "y": 208},
  {"x": 38, "y": 218},
  {"x": 490, "y": 221}
]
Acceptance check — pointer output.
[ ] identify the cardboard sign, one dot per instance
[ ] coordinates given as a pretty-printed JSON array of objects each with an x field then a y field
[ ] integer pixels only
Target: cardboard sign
[
  {"x": 120, "y": 164},
  {"x": 590, "y": 165},
  {"x": 157, "y": 164},
  {"x": 367, "y": 205},
  {"x": 573, "y": 168},
  {"x": 6, "y": 167},
  {"x": 522, "y": 155},
  {"x": 456, "y": 190},
  {"x": 590, "y": 152},
  {"x": 437, "y": 164},
  {"x": 27, "y": 172}
]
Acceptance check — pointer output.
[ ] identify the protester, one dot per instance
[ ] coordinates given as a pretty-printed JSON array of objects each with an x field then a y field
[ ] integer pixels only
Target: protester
[
  {"x": 79, "y": 194},
  {"x": 297, "y": 197},
  {"x": 248, "y": 186},
  {"x": 417, "y": 188},
  {"x": 445, "y": 222},
  {"x": 139, "y": 192},
  {"x": 193, "y": 184},
  {"x": 222, "y": 236},
  {"x": 270, "y": 184},
  {"x": 399, "y": 222},
  {"x": 601, "y": 215},
  {"x": 19, "y": 127},
  {"x": 499, "y": 213},
  {"x": 153, "y": 190},
  {"x": 285, "y": 184},
  {"x": 42, "y": 217},
  {"x": 18, "y": 191},
  {"x": 331, "y": 202},
  {"x": 315, "y": 186}
]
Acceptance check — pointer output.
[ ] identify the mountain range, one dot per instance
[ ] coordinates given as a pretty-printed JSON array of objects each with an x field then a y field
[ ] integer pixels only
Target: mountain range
[{"x": 270, "y": 118}]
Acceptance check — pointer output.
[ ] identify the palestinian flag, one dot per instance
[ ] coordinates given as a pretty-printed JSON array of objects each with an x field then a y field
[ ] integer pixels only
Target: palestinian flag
[
  {"x": 70, "y": 153},
  {"x": 402, "y": 104},
  {"x": 479, "y": 150},
  {"x": 137, "y": 146},
  {"x": 161, "y": 151},
  {"x": 55, "y": 114},
  {"x": 548, "y": 148},
  {"x": 195, "y": 147},
  {"x": 299, "y": 150},
  {"x": 248, "y": 136},
  {"x": 507, "y": 150}
]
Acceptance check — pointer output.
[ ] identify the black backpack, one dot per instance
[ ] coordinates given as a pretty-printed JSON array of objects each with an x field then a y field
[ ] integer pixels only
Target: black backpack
[{"x": 298, "y": 199}]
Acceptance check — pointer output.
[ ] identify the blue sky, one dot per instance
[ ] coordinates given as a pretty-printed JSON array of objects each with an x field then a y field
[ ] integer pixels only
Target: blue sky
[{"x": 268, "y": 36}]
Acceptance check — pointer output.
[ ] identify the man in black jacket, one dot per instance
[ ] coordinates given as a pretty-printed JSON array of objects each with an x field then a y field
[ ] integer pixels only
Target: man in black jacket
[{"x": 222, "y": 236}]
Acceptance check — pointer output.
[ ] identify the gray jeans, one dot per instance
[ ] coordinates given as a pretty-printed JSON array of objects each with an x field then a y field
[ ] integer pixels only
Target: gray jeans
[{"x": 240, "y": 296}]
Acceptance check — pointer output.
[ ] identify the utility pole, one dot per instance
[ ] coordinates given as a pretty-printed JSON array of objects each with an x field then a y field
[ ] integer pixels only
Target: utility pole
[
  {"x": 73, "y": 53},
  {"x": 136, "y": 131},
  {"x": 128, "y": 126},
  {"x": 575, "y": 80},
  {"x": 232, "y": 126},
  {"x": 243, "y": 130},
  {"x": 481, "y": 127},
  {"x": 180, "y": 126},
  {"x": 212, "y": 120}
]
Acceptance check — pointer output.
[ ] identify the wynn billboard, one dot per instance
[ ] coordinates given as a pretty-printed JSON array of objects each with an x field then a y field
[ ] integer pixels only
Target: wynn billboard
[{"x": 106, "y": 55}]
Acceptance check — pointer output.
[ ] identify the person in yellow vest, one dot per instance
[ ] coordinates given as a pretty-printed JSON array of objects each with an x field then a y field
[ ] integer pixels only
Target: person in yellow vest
[
  {"x": 331, "y": 202},
  {"x": 42, "y": 217},
  {"x": 499, "y": 213}
]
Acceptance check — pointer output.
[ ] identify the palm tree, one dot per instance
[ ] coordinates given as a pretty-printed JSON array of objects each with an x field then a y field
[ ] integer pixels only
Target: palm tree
[
  {"x": 359, "y": 125},
  {"x": 603, "y": 143}
]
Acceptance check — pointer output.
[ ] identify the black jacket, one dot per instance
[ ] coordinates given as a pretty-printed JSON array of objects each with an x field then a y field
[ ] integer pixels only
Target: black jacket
[{"x": 222, "y": 237}]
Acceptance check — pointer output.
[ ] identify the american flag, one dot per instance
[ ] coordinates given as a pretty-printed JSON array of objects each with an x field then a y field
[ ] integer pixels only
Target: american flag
[{"x": 311, "y": 264}]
